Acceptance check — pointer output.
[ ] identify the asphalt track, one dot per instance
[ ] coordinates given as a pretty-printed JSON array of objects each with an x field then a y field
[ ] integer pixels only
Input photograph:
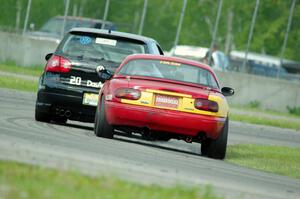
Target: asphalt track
[{"x": 74, "y": 147}]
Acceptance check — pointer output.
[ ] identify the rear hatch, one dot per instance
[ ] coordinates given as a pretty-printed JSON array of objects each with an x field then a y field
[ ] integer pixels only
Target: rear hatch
[
  {"x": 73, "y": 65},
  {"x": 176, "y": 88},
  {"x": 83, "y": 73},
  {"x": 86, "y": 51},
  {"x": 164, "y": 94}
]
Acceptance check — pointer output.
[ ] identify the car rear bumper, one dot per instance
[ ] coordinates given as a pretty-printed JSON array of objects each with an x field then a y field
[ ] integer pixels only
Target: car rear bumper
[
  {"x": 57, "y": 102},
  {"x": 163, "y": 120}
]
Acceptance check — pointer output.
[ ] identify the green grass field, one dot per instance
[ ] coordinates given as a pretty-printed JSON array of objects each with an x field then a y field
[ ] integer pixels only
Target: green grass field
[
  {"x": 33, "y": 71},
  {"x": 283, "y": 123},
  {"x": 274, "y": 159},
  {"x": 24, "y": 181},
  {"x": 18, "y": 84}
]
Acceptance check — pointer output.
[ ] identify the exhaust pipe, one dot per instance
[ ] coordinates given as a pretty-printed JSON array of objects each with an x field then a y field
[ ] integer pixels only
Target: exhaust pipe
[
  {"x": 189, "y": 139},
  {"x": 62, "y": 112},
  {"x": 57, "y": 110},
  {"x": 68, "y": 113}
]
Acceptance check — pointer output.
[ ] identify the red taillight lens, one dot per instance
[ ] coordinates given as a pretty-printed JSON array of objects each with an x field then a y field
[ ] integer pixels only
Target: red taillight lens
[
  {"x": 58, "y": 64},
  {"x": 128, "y": 93},
  {"x": 206, "y": 105}
]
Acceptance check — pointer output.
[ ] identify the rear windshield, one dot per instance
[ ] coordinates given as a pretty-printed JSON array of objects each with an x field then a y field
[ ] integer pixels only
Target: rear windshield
[
  {"x": 97, "y": 47},
  {"x": 169, "y": 70}
]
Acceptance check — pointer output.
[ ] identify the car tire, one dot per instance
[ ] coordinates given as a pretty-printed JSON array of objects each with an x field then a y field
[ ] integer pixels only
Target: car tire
[
  {"x": 164, "y": 139},
  {"x": 216, "y": 148},
  {"x": 60, "y": 120},
  {"x": 41, "y": 116},
  {"x": 161, "y": 136},
  {"x": 102, "y": 128}
]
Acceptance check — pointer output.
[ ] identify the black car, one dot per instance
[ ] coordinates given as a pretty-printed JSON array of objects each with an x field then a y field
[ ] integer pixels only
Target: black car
[{"x": 69, "y": 86}]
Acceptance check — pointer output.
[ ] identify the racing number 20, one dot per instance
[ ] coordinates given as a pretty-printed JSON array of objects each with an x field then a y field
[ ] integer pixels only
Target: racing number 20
[{"x": 75, "y": 80}]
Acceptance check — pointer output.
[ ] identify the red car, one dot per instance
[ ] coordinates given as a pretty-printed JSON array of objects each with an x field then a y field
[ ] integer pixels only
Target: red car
[{"x": 163, "y": 98}]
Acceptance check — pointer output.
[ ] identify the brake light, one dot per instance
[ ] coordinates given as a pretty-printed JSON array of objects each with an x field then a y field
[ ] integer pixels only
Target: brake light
[
  {"x": 206, "y": 105},
  {"x": 58, "y": 64},
  {"x": 128, "y": 93}
]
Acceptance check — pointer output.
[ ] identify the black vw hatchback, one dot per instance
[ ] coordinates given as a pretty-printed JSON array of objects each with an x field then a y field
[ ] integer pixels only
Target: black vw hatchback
[{"x": 69, "y": 86}]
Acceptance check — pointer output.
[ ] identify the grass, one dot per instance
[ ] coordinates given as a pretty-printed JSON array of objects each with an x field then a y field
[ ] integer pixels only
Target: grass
[
  {"x": 10, "y": 67},
  {"x": 24, "y": 181},
  {"x": 257, "y": 119},
  {"x": 18, "y": 84},
  {"x": 264, "y": 111},
  {"x": 275, "y": 159},
  {"x": 294, "y": 110}
]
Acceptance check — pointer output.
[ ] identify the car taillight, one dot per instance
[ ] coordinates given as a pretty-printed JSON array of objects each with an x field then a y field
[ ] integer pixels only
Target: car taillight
[
  {"x": 206, "y": 105},
  {"x": 58, "y": 64},
  {"x": 128, "y": 93}
]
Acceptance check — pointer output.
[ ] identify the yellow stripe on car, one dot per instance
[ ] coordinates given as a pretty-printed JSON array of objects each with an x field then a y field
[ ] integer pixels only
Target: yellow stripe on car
[
  {"x": 186, "y": 102},
  {"x": 168, "y": 93}
]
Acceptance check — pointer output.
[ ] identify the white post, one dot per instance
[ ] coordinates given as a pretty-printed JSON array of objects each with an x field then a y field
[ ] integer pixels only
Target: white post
[
  {"x": 228, "y": 39},
  {"x": 143, "y": 17},
  {"x": 27, "y": 16},
  {"x": 65, "y": 17},
  {"x": 18, "y": 15},
  {"x": 286, "y": 36},
  {"x": 215, "y": 30},
  {"x": 250, "y": 33},
  {"x": 105, "y": 14},
  {"x": 180, "y": 23}
]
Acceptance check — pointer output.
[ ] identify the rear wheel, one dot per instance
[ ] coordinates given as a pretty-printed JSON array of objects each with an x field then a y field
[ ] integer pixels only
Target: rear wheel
[
  {"x": 41, "y": 116},
  {"x": 216, "y": 148},
  {"x": 161, "y": 136},
  {"x": 102, "y": 127},
  {"x": 61, "y": 120}
]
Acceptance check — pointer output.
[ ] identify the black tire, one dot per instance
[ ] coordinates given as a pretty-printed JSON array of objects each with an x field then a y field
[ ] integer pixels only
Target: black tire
[
  {"x": 41, "y": 116},
  {"x": 216, "y": 148},
  {"x": 60, "y": 120},
  {"x": 164, "y": 139},
  {"x": 161, "y": 136},
  {"x": 102, "y": 128}
]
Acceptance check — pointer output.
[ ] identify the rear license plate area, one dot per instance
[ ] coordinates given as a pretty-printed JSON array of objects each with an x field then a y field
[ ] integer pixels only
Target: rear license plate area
[
  {"x": 90, "y": 99},
  {"x": 166, "y": 101}
]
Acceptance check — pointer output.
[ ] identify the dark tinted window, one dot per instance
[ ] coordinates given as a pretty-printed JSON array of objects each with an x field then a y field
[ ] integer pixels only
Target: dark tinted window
[{"x": 97, "y": 47}]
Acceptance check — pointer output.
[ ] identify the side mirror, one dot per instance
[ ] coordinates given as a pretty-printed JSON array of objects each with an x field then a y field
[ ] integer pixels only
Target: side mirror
[
  {"x": 227, "y": 91},
  {"x": 103, "y": 73},
  {"x": 47, "y": 57}
]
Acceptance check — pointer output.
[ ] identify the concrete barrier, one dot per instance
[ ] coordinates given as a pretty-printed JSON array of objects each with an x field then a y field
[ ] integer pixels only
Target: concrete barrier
[
  {"x": 275, "y": 94},
  {"x": 24, "y": 51}
]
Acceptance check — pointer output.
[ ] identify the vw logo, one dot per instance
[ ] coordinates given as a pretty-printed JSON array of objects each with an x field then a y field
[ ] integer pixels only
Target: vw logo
[{"x": 100, "y": 68}]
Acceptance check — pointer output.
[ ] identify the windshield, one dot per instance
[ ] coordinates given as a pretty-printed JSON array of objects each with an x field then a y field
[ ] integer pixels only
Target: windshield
[
  {"x": 169, "y": 70},
  {"x": 93, "y": 47}
]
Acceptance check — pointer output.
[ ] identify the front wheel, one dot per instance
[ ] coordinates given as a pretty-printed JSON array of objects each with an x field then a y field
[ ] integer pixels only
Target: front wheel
[
  {"x": 216, "y": 148},
  {"x": 102, "y": 128}
]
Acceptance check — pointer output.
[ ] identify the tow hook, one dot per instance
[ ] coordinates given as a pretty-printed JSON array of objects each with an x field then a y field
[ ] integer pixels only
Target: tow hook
[{"x": 189, "y": 139}]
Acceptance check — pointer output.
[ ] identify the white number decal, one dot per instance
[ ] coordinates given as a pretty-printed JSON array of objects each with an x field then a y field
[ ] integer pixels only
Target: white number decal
[{"x": 75, "y": 80}]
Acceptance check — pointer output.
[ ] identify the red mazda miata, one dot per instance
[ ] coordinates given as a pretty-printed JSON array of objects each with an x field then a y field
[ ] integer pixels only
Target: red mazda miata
[{"x": 163, "y": 98}]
